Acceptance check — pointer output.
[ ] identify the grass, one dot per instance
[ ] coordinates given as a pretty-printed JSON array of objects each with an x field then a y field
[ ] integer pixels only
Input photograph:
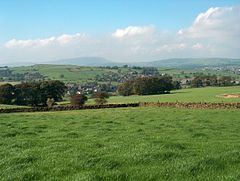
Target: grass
[
  {"x": 5, "y": 106},
  {"x": 72, "y": 73},
  {"x": 13, "y": 83},
  {"x": 121, "y": 144},
  {"x": 207, "y": 94},
  {"x": 81, "y": 74}
]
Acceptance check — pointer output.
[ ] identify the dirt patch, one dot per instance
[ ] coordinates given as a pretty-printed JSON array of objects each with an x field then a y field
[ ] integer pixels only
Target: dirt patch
[{"x": 227, "y": 96}]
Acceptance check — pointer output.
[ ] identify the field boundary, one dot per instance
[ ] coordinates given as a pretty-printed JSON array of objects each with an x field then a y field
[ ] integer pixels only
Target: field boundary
[
  {"x": 187, "y": 105},
  {"x": 67, "y": 108},
  {"x": 192, "y": 105}
]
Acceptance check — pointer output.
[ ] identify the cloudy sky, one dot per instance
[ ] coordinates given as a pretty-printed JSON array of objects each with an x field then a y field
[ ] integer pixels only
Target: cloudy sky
[{"x": 123, "y": 31}]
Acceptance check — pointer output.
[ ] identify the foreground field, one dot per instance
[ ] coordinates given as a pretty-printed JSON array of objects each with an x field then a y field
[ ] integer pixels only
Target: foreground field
[{"x": 121, "y": 144}]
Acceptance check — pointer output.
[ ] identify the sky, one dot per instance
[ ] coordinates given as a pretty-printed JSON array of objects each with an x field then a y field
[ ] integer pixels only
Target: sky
[{"x": 123, "y": 31}]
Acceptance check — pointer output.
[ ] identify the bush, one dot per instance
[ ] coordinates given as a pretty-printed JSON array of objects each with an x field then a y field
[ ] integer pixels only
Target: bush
[
  {"x": 50, "y": 102},
  {"x": 6, "y": 93},
  {"x": 100, "y": 97},
  {"x": 78, "y": 100}
]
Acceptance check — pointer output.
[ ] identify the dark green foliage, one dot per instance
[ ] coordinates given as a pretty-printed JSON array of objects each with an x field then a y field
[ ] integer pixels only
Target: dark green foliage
[
  {"x": 150, "y": 71},
  {"x": 226, "y": 81},
  {"x": 33, "y": 93},
  {"x": 52, "y": 89},
  {"x": 147, "y": 86},
  {"x": 212, "y": 80},
  {"x": 6, "y": 94},
  {"x": 126, "y": 88},
  {"x": 176, "y": 85},
  {"x": 78, "y": 100}
]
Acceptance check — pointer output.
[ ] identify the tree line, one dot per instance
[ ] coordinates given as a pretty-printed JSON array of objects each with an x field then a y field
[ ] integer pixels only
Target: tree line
[
  {"x": 212, "y": 80},
  {"x": 148, "y": 86},
  {"x": 32, "y": 93}
]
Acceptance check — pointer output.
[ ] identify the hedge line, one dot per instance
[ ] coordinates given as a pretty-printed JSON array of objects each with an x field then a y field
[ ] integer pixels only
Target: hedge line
[
  {"x": 193, "y": 105},
  {"x": 65, "y": 108},
  {"x": 188, "y": 105}
]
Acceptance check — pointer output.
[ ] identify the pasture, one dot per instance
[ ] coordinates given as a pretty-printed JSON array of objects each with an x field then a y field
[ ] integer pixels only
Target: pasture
[
  {"x": 74, "y": 73},
  {"x": 121, "y": 144},
  {"x": 206, "y": 94},
  {"x": 5, "y": 106}
]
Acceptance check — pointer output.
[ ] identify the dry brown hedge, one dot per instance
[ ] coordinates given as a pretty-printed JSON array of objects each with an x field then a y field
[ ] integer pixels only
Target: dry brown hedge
[{"x": 188, "y": 105}]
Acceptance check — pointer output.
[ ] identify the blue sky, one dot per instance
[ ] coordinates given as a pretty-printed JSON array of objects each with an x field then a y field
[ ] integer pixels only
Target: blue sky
[
  {"x": 37, "y": 19},
  {"x": 119, "y": 30}
]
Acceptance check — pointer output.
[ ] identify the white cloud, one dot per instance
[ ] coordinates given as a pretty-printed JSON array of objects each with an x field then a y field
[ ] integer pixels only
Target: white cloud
[
  {"x": 33, "y": 43},
  {"x": 133, "y": 31},
  {"x": 29, "y": 43},
  {"x": 65, "y": 38},
  {"x": 215, "y": 22},
  {"x": 197, "y": 46},
  {"x": 214, "y": 33}
]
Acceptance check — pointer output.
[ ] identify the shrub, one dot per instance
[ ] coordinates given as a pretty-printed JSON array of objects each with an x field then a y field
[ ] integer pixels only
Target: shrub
[
  {"x": 6, "y": 93},
  {"x": 100, "y": 97},
  {"x": 78, "y": 100},
  {"x": 50, "y": 102}
]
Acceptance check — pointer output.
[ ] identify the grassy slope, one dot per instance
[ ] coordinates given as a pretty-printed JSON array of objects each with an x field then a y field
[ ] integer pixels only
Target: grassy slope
[
  {"x": 120, "y": 144},
  {"x": 207, "y": 94},
  {"x": 74, "y": 73},
  {"x": 71, "y": 73}
]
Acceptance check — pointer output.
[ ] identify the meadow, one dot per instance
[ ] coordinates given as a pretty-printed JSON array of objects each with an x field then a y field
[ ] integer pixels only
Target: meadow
[
  {"x": 71, "y": 73},
  {"x": 5, "y": 106},
  {"x": 80, "y": 74},
  {"x": 121, "y": 144},
  {"x": 206, "y": 94}
]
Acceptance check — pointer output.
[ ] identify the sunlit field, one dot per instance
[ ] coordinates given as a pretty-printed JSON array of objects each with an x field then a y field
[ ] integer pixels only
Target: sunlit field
[
  {"x": 121, "y": 144},
  {"x": 207, "y": 94}
]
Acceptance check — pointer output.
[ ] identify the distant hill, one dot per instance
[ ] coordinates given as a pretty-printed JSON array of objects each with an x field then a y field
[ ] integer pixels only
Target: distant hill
[
  {"x": 83, "y": 61},
  {"x": 184, "y": 63},
  {"x": 191, "y": 62}
]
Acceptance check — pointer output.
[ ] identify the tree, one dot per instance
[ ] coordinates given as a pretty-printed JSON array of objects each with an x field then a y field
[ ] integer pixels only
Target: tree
[
  {"x": 226, "y": 81},
  {"x": 176, "y": 85},
  {"x": 78, "y": 100},
  {"x": 126, "y": 88},
  {"x": 100, "y": 97},
  {"x": 147, "y": 86},
  {"x": 6, "y": 93},
  {"x": 37, "y": 93},
  {"x": 197, "y": 82},
  {"x": 28, "y": 94},
  {"x": 52, "y": 89}
]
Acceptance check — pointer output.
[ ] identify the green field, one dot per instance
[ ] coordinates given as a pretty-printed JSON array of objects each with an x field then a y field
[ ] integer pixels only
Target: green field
[
  {"x": 4, "y": 106},
  {"x": 73, "y": 73},
  {"x": 207, "y": 94},
  {"x": 121, "y": 144}
]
